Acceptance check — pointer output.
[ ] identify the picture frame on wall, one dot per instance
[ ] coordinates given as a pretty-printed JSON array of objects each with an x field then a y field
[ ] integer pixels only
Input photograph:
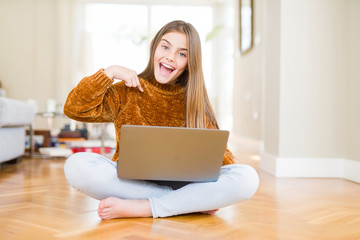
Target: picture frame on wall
[{"x": 246, "y": 15}]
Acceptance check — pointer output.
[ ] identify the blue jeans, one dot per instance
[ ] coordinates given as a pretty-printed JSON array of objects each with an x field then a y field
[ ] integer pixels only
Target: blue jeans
[{"x": 96, "y": 176}]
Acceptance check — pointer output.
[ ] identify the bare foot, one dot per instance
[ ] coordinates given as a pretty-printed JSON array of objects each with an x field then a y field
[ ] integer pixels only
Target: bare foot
[
  {"x": 113, "y": 207},
  {"x": 211, "y": 212}
]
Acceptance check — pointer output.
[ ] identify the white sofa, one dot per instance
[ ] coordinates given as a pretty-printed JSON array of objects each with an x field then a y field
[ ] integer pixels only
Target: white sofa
[{"x": 14, "y": 116}]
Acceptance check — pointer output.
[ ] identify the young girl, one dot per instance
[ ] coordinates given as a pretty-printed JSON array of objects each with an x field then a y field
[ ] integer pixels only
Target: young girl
[{"x": 169, "y": 92}]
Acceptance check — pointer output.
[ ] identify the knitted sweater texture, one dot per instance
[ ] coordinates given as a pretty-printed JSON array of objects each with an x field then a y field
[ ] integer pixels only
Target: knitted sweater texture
[{"x": 97, "y": 99}]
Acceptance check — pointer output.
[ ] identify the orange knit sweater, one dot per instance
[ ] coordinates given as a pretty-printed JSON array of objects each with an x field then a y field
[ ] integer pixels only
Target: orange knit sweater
[{"x": 97, "y": 99}]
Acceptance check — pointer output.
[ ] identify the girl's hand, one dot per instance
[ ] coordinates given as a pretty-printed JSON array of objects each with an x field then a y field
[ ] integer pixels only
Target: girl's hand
[{"x": 122, "y": 73}]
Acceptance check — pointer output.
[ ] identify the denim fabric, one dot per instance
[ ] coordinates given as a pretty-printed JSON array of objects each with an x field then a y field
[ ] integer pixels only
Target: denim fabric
[{"x": 96, "y": 176}]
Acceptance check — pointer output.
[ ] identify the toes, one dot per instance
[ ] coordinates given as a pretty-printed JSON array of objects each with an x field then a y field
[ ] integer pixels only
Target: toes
[
  {"x": 103, "y": 215},
  {"x": 104, "y": 203},
  {"x": 101, "y": 205}
]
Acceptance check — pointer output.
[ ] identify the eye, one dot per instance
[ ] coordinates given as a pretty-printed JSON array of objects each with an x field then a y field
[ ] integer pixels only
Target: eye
[
  {"x": 165, "y": 47},
  {"x": 182, "y": 54}
]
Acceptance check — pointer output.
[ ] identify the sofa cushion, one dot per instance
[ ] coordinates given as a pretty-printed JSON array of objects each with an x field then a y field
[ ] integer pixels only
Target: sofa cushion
[
  {"x": 15, "y": 112},
  {"x": 12, "y": 143}
]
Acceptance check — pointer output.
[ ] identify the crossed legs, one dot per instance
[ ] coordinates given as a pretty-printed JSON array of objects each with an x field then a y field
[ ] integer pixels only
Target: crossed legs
[{"x": 96, "y": 176}]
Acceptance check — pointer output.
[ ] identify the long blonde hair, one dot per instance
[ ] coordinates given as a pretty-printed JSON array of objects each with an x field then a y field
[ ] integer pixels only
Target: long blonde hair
[{"x": 198, "y": 107}]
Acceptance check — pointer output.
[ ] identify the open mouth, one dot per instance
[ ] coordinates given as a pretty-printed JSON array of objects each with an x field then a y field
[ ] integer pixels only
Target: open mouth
[{"x": 166, "y": 69}]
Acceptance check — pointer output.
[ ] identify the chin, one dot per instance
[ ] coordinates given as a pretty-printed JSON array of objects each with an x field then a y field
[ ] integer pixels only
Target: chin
[{"x": 163, "y": 80}]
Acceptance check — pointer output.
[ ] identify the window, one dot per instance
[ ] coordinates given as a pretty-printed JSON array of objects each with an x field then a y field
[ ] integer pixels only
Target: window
[
  {"x": 121, "y": 34},
  {"x": 116, "y": 33}
]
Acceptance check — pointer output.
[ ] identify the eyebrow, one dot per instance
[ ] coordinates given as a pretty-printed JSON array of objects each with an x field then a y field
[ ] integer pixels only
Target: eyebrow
[{"x": 183, "y": 49}]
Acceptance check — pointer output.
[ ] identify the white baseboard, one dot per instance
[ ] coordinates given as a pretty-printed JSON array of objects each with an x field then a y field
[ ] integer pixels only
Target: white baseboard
[
  {"x": 352, "y": 170},
  {"x": 311, "y": 167}
]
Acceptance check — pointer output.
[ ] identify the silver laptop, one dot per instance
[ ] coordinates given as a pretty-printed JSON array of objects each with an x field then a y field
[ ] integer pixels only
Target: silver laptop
[{"x": 171, "y": 153}]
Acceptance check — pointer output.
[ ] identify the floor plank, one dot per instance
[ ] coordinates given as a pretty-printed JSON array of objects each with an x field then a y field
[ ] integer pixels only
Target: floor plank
[{"x": 37, "y": 203}]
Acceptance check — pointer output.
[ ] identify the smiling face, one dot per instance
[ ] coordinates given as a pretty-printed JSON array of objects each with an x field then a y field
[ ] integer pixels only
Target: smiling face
[{"x": 171, "y": 57}]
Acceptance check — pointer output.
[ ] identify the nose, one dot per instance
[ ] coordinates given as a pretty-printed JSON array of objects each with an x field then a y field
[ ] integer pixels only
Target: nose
[{"x": 170, "y": 57}]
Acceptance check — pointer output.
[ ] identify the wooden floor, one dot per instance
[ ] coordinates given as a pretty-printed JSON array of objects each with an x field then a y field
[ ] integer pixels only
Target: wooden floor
[{"x": 37, "y": 203}]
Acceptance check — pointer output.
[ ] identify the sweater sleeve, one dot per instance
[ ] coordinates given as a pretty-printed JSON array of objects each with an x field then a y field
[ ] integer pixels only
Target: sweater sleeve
[
  {"x": 94, "y": 99},
  {"x": 228, "y": 156}
]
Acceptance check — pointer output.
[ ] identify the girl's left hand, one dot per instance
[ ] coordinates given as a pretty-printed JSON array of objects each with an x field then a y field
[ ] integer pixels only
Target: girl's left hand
[{"x": 125, "y": 74}]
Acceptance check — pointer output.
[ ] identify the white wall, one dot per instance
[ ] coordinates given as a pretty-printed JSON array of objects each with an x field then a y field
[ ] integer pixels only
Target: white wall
[
  {"x": 35, "y": 54},
  {"x": 315, "y": 93},
  {"x": 310, "y": 114},
  {"x": 353, "y": 88},
  {"x": 313, "y": 79},
  {"x": 248, "y": 82},
  {"x": 271, "y": 78},
  {"x": 17, "y": 47}
]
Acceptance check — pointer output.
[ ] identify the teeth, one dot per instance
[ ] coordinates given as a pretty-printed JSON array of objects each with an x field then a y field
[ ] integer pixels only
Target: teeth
[{"x": 167, "y": 66}]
